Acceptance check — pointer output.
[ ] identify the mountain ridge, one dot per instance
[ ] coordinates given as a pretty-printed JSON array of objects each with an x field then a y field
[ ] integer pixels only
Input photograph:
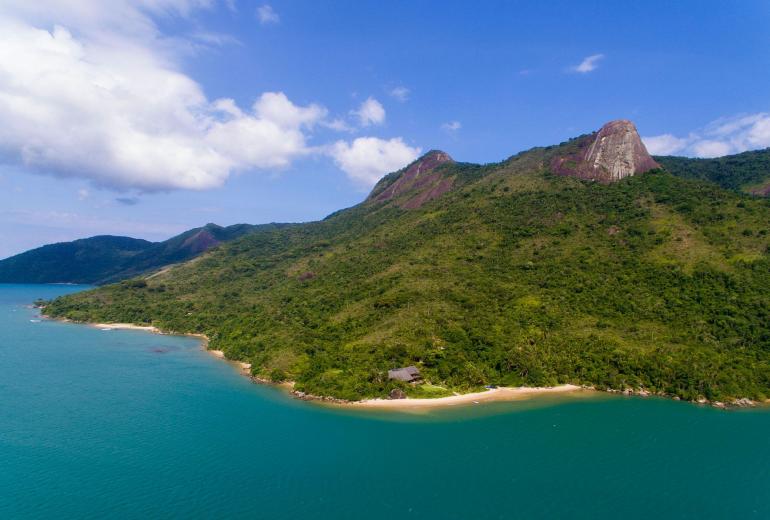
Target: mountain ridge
[
  {"x": 107, "y": 258},
  {"x": 518, "y": 275}
]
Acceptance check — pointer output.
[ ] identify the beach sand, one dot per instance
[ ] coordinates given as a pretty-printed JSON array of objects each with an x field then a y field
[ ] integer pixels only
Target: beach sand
[
  {"x": 490, "y": 395},
  {"x": 244, "y": 367},
  {"x": 128, "y": 326},
  {"x": 493, "y": 394}
]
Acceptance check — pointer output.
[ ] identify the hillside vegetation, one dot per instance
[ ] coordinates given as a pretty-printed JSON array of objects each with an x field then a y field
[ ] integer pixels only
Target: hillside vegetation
[
  {"x": 80, "y": 261},
  {"x": 515, "y": 277},
  {"x": 747, "y": 171},
  {"x": 105, "y": 259}
]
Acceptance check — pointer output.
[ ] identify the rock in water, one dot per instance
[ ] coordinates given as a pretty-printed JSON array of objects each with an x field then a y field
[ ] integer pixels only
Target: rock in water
[{"x": 613, "y": 153}]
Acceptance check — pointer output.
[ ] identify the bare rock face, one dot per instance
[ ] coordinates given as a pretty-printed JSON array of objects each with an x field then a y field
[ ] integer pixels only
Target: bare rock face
[
  {"x": 201, "y": 241},
  {"x": 613, "y": 153},
  {"x": 420, "y": 179}
]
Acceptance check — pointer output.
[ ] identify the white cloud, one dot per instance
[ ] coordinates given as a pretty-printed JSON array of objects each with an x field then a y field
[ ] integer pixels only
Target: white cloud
[
  {"x": 452, "y": 126},
  {"x": 665, "y": 144},
  {"x": 367, "y": 159},
  {"x": 83, "y": 194},
  {"x": 118, "y": 112},
  {"x": 267, "y": 15},
  {"x": 94, "y": 90},
  {"x": 721, "y": 137},
  {"x": 590, "y": 63},
  {"x": 710, "y": 148},
  {"x": 105, "y": 21},
  {"x": 370, "y": 112},
  {"x": 400, "y": 93},
  {"x": 338, "y": 125}
]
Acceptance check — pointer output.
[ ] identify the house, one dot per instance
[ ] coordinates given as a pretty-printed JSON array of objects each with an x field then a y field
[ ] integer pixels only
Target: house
[{"x": 408, "y": 374}]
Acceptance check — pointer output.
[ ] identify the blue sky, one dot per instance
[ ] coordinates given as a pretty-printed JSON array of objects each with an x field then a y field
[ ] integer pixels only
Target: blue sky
[{"x": 146, "y": 118}]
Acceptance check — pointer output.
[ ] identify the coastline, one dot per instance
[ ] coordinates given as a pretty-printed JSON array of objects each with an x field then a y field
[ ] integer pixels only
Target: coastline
[
  {"x": 124, "y": 326},
  {"x": 242, "y": 366},
  {"x": 489, "y": 395},
  {"x": 505, "y": 393}
]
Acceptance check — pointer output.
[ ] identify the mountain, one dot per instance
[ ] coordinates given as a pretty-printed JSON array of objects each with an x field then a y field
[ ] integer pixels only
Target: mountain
[
  {"x": 104, "y": 259},
  {"x": 614, "y": 152},
  {"x": 515, "y": 273},
  {"x": 420, "y": 182},
  {"x": 747, "y": 171},
  {"x": 182, "y": 247},
  {"x": 81, "y": 261}
]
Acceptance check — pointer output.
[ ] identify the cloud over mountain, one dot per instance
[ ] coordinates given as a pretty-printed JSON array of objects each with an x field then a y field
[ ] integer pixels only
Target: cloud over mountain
[
  {"x": 721, "y": 137},
  {"x": 367, "y": 159}
]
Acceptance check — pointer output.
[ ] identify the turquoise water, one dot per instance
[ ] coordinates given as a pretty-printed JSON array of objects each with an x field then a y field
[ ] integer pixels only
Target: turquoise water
[{"x": 125, "y": 424}]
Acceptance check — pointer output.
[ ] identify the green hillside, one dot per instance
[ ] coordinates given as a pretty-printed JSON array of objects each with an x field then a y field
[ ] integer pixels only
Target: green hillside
[
  {"x": 105, "y": 259},
  {"x": 515, "y": 277},
  {"x": 80, "y": 261},
  {"x": 747, "y": 171}
]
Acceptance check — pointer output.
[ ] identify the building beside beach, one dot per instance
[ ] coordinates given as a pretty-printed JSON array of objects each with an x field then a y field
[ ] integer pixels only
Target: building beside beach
[{"x": 408, "y": 374}]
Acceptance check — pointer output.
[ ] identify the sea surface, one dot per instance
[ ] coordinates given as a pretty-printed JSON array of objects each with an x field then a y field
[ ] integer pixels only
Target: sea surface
[{"x": 127, "y": 424}]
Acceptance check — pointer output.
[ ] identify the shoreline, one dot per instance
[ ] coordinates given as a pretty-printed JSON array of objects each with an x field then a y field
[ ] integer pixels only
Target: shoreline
[
  {"x": 490, "y": 395},
  {"x": 503, "y": 393},
  {"x": 124, "y": 326},
  {"x": 242, "y": 366}
]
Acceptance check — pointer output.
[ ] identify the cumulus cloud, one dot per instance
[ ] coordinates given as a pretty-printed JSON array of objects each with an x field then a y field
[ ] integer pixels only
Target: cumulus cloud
[
  {"x": 367, "y": 159},
  {"x": 267, "y": 15},
  {"x": 123, "y": 118},
  {"x": 111, "y": 21},
  {"x": 452, "y": 126},
  {"x": 589, "y": 64},
  {"x": 664, "y": 144},
  {"x": 721, "y": 137},
  {"x": 94, "y": 90},
  {"x": 370, "y": 112},
  {"x": 400, "y": 93}
]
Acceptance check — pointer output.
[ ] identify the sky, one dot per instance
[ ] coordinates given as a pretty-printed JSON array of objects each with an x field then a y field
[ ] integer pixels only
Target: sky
[{"x": 150, "y": 117}]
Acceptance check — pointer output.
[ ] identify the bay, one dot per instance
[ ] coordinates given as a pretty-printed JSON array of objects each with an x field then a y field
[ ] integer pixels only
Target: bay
[{"x": 126, "y": 424}]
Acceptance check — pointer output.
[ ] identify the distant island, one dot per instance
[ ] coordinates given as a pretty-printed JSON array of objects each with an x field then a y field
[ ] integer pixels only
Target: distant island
[{"x": 584, "y": 263}]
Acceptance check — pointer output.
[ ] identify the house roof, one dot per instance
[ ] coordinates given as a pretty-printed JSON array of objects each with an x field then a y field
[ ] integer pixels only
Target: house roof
[{"x": 409, "y": 373}]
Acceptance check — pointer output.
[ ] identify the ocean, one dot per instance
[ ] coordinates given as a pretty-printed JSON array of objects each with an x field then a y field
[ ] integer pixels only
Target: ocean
[{"x": 127, "y": 424}]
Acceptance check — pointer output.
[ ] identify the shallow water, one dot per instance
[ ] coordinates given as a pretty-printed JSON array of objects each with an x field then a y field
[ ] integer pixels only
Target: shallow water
[{"x": 126, "y": 424}]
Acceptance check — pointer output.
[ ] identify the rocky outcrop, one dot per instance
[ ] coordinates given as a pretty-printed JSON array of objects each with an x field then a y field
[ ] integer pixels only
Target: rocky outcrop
[
  {"x": 613, "y": 153},
  {"x": 201, "y": 241},
  {"x": 417, "y": 183}
]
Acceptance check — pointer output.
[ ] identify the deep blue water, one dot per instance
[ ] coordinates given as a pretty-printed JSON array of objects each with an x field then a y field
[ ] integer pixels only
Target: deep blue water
[{"x": 126, "y": 424}]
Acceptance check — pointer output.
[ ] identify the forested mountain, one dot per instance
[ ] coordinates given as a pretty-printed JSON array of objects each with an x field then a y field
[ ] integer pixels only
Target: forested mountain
[
  {"x": 571, "y": 263},
  {"x": 747, "y": 171},
  {"x": 81, "y": 261},
  {"x": 104, "y": 259}
]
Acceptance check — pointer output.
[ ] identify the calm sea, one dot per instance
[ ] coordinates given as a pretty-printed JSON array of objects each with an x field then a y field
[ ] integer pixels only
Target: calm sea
[{"x": 125, "y": 424}]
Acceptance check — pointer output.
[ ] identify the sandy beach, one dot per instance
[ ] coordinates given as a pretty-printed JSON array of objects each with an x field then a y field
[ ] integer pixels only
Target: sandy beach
[
  {"x": 490, "y": 395},
  {"x": 127, "y": 326},
  {"x": 493, "y": 394},
  {"x": 243, "y": 366}
]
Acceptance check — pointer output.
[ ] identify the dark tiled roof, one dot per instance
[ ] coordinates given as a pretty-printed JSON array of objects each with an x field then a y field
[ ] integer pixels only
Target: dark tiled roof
[{"x": 404, "y": 374}]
